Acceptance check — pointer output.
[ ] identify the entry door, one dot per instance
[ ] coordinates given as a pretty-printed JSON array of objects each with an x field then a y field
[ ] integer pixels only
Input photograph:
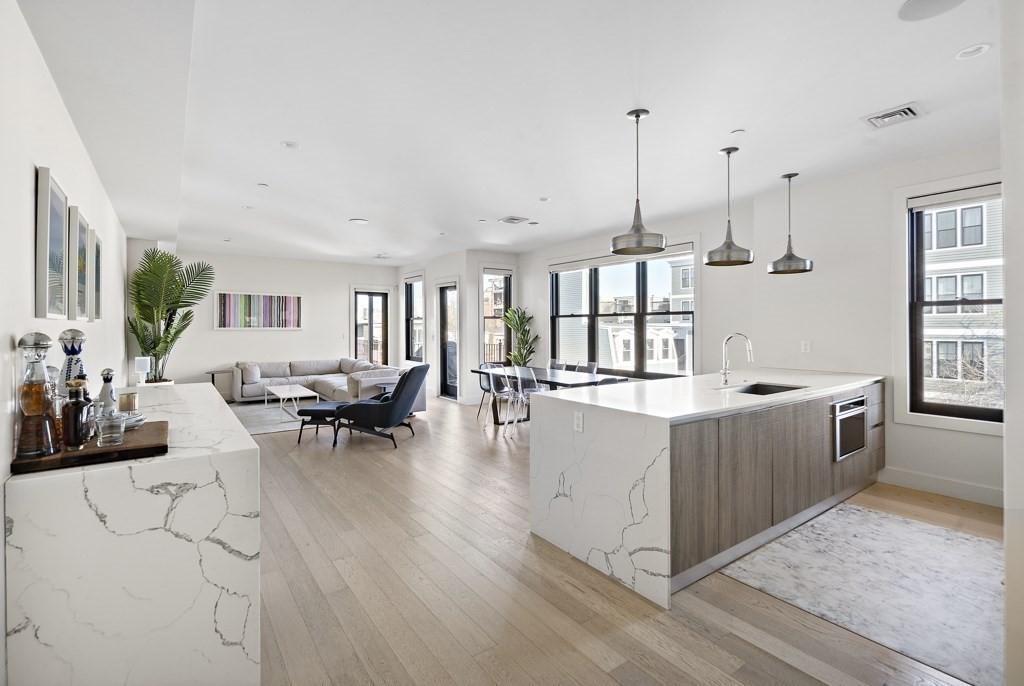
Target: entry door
[
  {"x": 371, "y": 333},
  {"x": 449, "y": 321}
]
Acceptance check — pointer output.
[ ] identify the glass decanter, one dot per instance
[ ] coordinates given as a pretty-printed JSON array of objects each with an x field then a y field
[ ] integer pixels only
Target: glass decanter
[{"x": 37, "y": 434}]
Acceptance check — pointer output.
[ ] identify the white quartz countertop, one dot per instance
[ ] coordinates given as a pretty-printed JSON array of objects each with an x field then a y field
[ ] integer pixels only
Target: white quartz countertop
[
  {"x": 686, "y": 399},
  {"x": 200, "y": 424}
]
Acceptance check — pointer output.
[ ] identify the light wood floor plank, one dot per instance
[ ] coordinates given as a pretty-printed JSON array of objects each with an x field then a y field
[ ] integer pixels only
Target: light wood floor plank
[{"x": 415, "y": 565}]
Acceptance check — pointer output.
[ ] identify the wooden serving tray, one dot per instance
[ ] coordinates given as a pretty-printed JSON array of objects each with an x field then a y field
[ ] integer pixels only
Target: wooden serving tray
[{"x": 148, "y": 440}]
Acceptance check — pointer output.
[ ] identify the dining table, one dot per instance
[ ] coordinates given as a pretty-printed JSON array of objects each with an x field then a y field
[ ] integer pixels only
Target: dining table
[{"x": 553, "y": 378}]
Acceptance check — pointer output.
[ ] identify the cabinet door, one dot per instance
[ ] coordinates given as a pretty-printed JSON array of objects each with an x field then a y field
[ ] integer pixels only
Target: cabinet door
[
  {"x": 744, "y": 477},
  {"x": 694, "y": 488},
  {"x": 801, "y": 457}
]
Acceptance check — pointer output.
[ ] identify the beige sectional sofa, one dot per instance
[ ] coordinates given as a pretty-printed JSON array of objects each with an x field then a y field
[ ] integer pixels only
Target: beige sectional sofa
[{"x": 342, "y": 379}]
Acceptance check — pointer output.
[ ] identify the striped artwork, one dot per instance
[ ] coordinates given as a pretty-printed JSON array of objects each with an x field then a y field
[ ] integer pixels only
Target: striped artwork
[{"x": 255, "y": 311}]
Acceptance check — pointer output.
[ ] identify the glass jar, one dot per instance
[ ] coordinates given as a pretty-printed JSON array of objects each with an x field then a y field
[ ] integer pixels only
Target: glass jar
[{"x": 37, "y": 433}]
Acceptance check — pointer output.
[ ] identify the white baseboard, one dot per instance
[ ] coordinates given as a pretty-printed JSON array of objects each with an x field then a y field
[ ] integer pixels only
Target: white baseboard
[{"x": 965, "y": 490}]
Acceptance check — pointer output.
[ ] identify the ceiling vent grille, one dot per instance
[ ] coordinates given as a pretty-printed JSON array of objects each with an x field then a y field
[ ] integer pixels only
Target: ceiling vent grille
[
  {"x": 894, "y": 116},
  {"x": 512, "y": 219}
]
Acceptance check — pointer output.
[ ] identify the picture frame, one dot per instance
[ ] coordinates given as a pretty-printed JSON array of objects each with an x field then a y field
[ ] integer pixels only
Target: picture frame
[
  {"x": 95, "y": 278},
  {"x": 235, "y": 311},
  {"x": 51, "y": 247},
  {"x": 79, "y": 293}
]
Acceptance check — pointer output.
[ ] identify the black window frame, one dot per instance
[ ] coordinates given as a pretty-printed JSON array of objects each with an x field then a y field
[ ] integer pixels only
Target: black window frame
[
  {"x": 410, "y": 318},
  {"x": 640, "y": 314},
  {"x": 506, "y": 304},
  {"x": 918, "y": 307}
]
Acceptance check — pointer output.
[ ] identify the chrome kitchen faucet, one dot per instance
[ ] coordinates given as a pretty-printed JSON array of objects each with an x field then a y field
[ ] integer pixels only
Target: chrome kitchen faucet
[{"x": 725, "y": 355}]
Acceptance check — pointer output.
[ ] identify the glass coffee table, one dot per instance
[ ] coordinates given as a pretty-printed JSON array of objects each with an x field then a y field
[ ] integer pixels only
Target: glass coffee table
[{"x": 290, "y": 392}]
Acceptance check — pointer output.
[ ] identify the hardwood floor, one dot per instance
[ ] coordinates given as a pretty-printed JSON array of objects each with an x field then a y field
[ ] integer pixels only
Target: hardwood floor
[{"x": 416, "y": 566}]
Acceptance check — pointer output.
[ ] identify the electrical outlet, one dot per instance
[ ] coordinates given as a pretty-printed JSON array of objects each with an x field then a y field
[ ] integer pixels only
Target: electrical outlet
[
  {"x": 577, "y": 422},
  {"x": 805, "y": 346}
]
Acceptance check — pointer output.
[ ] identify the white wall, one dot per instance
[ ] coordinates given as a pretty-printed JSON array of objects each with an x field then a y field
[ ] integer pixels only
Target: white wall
[
  {"x": 846, "y": 226},
  {"x": 327, "y": 303},
  {"x": 35, "y": 129},
  {"x": 1013, "y": 208}
]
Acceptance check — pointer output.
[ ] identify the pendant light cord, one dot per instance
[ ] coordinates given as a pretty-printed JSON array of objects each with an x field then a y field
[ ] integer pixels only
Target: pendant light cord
[
  {"x": 638, "y": 157},
  {"x": 789, "y": 208},
  {"x": 728, "y": 186}
]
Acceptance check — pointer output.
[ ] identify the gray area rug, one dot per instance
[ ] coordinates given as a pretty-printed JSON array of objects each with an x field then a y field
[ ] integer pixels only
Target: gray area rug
[
  {"x": 930, "y": 593},
  {"x": 260, "y": 419}
]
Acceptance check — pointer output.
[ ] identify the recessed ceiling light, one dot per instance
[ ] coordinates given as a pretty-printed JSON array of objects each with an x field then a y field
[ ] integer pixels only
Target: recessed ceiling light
[
  {"x": 544, "y": 198},
  {"x": 227, "y": 240},
  {"x": 381, "y": 256},
  {"x": 482, "y": 221},
  {"x": 917, "y": 10},
  {"x": 357, "y": 220},
  {"x": 973, "y": 51},
  {"x": 290, "y": 145},
  {"x": 247, "y": 207},
  {"x": 737, "y": 132},
  {"x": 263, "y": 185},
  {"x": 534, "y": 223},
  {"x": 442, "y": 234}
]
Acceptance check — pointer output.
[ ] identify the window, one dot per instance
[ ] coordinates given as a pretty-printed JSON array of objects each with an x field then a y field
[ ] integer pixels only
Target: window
[
  {"x": 414, "y": 327},
  {"x": 631, "y": 317},
  {"x": 956, "y": 317},
  {"x": 970, "y": 222},
  {"x": 497, "y": 291}
]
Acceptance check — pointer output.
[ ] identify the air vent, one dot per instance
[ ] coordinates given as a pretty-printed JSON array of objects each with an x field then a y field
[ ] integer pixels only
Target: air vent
[
  {"x": 894, "y": 116},
  {"x": 512, "y": 219}
]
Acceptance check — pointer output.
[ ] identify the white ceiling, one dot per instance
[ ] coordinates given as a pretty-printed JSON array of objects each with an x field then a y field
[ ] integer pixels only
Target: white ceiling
[{"x": 426, "y": 117}]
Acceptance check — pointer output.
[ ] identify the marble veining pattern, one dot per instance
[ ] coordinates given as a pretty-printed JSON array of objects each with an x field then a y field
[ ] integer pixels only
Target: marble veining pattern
[
  {"x": 145, "y": 571},
  {"x": 602, "y": 495},
  {"x": 928, "y": 592}
]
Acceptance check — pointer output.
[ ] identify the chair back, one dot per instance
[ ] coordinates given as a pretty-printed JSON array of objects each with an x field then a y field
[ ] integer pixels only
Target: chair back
[
  {"x": 605, "y": 382},
  {"x": 589, "y": 367},
  {"x": 485, "y": 379},
  {"x": 395, "y": 409},
  {"x": 526, "y": 380},
  {"x": 556, "y": 364}
]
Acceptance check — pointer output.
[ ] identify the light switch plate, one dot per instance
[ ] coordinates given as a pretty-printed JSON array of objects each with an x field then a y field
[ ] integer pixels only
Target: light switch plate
[
  {"x": 805, "y": 346},
  {"x": 577, "y": 422}
]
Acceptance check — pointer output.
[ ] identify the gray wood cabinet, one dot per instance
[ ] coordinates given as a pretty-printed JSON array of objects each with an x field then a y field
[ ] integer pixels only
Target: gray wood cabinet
[
  {"x": 735, "y": 477},
  {"x": 744, "y": 477},
  {"x": 694, "y": 488},
  {"x": 801, "y": 457}
]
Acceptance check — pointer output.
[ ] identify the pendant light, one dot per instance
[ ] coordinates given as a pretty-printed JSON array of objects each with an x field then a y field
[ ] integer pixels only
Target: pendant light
[
  {"x": 790, "y": 263},
  {"x": 638, "y": 240},
  {"x": 728, "y": 254}
]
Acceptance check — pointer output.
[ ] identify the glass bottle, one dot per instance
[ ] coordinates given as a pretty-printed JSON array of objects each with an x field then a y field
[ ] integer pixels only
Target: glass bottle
[
  {"x": 72, "y": 341},
  {"x": 76, "y": 418},
  {"x": 37, "y": 434},
  {"x": 84, "y": 385},
  {"x": 107, "y": 399}
]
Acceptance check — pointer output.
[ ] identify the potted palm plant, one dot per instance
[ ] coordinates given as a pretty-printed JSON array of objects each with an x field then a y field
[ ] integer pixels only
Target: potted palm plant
[
  {"x": 162, "y": 292},
  {"x": 523, "y": 340}
]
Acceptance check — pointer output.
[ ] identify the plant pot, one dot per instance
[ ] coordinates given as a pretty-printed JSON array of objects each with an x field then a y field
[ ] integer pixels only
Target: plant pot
[{"x": 169, "y": 382}]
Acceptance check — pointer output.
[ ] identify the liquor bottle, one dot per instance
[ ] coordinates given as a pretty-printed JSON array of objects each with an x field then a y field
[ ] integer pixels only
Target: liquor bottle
[
  {"x": 37, "y": 433},
  {"x": 107, "y": 399},
  {"x": 76, "y": 418}
]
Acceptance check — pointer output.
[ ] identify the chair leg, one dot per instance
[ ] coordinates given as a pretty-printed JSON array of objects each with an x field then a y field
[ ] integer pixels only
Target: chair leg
[
  {"x": 337, "y": 426},
  {"x": 408, "y": 426},
  {"x": 481, "y": 405},
  {"x": 393, "y": 441},
  {"x": 317, "y": 430},
  {"x": 301, "y": 426}
]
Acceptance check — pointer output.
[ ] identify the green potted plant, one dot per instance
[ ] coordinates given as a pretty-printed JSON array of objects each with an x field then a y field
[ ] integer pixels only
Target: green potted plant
[
  {"x": 162, "y": 292},
  {"x": 523, "y": 340}
]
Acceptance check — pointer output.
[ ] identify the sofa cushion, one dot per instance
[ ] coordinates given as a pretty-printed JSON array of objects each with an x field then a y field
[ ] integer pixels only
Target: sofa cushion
[
  {"x": 346, "y": 364},
  {"x": 327, "y": 385},
  {"x": 256, "y": 390},
  {"x": 362, "y": 366},
  {"x": 275, "y": 369},
  {"x": 310, "y": 367},
  {"x": 250, "y": 372}
]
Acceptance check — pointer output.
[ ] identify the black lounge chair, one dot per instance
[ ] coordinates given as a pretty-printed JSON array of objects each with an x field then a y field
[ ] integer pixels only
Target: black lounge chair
[{"x": 376, "y": 415}]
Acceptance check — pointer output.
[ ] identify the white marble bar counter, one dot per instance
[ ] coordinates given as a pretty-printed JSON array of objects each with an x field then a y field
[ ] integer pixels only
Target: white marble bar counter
[
  {"x": 602, "y": 494},
  {"x": 145, "y": 571}
]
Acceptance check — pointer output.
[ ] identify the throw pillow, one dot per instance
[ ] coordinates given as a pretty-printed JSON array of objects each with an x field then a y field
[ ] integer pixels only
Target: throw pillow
[{"x": 250, "y": 372}]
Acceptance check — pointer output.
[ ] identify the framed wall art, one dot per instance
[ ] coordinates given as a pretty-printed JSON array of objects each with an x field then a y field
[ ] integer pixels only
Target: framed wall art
[
  {"x": 79, "y": 292},
  {"x": 51, "y": 247},
  {"x": 95, "y": 278},
  {"x": 234, "y": 311}
]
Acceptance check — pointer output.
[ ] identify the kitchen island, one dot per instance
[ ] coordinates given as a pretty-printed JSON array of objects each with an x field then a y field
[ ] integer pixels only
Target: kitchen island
[
  {"x": 144, "y": 571},
  {"x": 659, "y": 483}
]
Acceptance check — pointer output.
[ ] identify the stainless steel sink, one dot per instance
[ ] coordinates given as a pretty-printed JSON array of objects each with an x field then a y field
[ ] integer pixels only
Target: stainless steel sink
[{"x": 760, "y": 388}]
